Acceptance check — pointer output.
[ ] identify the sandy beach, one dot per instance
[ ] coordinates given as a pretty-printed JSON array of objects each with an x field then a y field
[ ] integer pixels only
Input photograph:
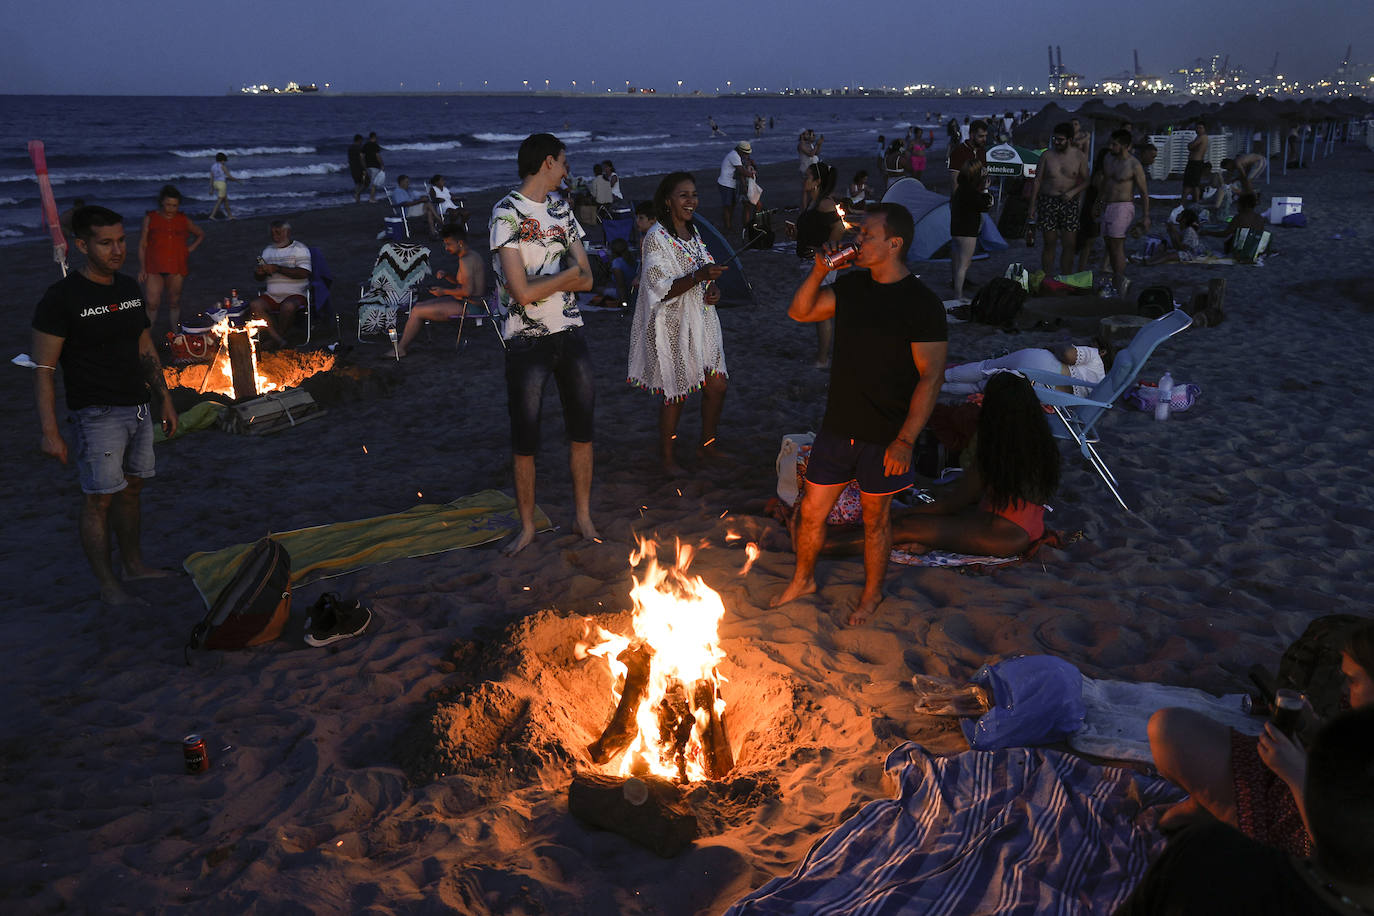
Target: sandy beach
[{"x": 424, "y": 766}]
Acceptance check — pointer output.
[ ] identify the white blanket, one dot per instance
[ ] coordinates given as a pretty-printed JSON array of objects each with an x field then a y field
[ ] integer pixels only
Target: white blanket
[{"x": 1119, "y": 713}]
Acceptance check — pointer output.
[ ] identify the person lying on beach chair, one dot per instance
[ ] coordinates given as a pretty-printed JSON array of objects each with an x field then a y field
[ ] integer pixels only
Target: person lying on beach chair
[
  {"x": 996, "y": 508},
  {"x": 1255, "y": 785},
  {"x": 469, "y": 283},
  {"x": 1085, "y": 365}
]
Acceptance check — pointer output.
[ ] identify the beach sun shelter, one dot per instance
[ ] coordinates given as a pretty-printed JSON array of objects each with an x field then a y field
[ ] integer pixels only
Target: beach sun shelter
[{"x": 930, "y": 212}]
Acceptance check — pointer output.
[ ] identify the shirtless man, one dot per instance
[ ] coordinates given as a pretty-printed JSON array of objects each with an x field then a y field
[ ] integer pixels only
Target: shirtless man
[
  {"x": 1121, "y": 174},
  {"x": 1244, "y": 170},
  {"x": 469, "y": 282},
  {"x": 1192, "y": 172},
  {"x": 1080, "y": 139},
  {"x": 1059, "y": 182}
]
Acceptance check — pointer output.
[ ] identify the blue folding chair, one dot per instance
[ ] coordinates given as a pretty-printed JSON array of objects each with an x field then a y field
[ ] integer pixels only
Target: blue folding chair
[{"x": 1077, "y": 417}]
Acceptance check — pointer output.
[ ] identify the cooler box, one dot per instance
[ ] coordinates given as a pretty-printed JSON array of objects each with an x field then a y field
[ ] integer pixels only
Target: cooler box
[
  {"x": 1280, "y": 207},
  {"x": 394, "y": 228}
]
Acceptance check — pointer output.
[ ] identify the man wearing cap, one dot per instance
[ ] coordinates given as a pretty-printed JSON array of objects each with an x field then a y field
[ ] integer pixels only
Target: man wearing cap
[{"x": 733, "y": 181}]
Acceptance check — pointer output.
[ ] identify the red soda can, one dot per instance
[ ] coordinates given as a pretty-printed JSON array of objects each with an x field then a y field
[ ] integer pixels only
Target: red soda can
[
  {"x": 197, "y": 758},
  {"x": 840, "y": 256}
]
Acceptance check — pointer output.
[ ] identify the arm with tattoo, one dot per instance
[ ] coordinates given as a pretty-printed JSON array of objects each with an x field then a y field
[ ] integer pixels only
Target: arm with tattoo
[{"x": 151, "y": 368}]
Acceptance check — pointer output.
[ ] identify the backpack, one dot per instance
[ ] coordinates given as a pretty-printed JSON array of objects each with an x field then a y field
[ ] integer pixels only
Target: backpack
[
  {"x": 1017, "y": 271},
  {"x": 254, "y": 606},
  {"x": 997, "y": 303},
  {"x": 1154, "y": 302}
]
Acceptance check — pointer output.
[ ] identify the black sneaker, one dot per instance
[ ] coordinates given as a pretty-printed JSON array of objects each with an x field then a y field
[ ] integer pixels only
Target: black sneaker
[{"x": 332, "y": 620}]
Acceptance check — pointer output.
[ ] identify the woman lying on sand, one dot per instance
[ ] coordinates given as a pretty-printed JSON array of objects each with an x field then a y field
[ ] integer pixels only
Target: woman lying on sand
[
  {"x": 1253, "y": 784},
  {"x": 1085, "y": 364},
  {"x": 997, "y": 507}
]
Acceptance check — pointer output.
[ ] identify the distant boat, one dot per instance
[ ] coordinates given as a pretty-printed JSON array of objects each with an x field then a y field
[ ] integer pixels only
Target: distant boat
[{"x": 288, "y": 89}]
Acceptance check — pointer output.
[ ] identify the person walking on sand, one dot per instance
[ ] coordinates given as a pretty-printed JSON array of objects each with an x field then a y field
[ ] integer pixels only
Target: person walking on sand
[
  {"x": 1117, "y": 180},
  {"x": 93, "y": 324},
  {"x": 163, "y": 252},
  {"x": 356, "y": 169},
  {"x": 373, "y": 167},
  {"x": 220, "y": 176},
  {"x": 808, "y": 153},
  {"x": 676, "y": 345},
  {"x": 541, "y": 265},
  {"x": 890, "y": 347}
]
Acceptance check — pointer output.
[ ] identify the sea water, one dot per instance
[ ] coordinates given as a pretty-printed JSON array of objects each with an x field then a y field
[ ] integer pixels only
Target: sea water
[{"x": 290, "y": 152}]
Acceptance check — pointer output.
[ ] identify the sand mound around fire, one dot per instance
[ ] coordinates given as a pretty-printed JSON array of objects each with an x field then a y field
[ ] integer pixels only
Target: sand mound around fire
[{"x": 521, "y": 709}]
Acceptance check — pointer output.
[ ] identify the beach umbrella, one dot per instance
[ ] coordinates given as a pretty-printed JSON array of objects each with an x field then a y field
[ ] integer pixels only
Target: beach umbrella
[
  {"x": 1036, "y": 130},
  {"x": 1008, "y": 161}
]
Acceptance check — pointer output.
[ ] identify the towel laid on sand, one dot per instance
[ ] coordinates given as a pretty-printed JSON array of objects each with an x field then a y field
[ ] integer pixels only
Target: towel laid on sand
[
  {"x": 344, "y": 547},
  {"x": 1018, "y": 831},
  {"x": 995, "y": 832},
  {"x": 971, "y": 562},
  {"x": 1116, "y": 724}
]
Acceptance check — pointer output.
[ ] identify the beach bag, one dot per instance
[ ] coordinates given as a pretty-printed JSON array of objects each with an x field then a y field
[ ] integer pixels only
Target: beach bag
[
  {"x": 1036, "y": 699},
  {"x": 998, "y": 303},
  {"x": 1295, "y": 221},
  {"x": 1154, "y": 302},
  {"x": 254, "y": 606},
  {"x": 189, "y": 348},
  {"x": 758, "y": 232},
  {"x": 1145, "y": 396},
  {"x": 1017, "y": 271},
  {"x": 754, "y": 192}
]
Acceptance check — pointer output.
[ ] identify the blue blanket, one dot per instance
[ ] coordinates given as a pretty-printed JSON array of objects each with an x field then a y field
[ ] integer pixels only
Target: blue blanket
[{"x": 1017, "y": 831}]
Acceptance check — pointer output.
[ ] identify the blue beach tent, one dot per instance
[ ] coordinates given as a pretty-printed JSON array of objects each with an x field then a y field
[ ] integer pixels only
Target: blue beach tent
[
  {"x": 930, "y": 211},
  {"x": 734, "y": 285}
]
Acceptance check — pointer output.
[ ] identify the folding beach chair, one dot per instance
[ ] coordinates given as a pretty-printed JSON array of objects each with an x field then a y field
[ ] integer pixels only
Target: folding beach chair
[
  {"x": 1076, "y": 417},
  {"x": 617, "y": 222},
  {"x": 397, "y": 272}
]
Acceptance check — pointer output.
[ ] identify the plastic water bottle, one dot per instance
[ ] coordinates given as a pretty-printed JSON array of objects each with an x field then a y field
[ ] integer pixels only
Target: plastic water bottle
[{"x": 1166, "y": 393}]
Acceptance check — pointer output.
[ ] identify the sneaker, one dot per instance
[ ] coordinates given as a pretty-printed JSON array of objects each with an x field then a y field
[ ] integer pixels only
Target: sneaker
[
  {"x": 1106, "y": 290},
  {"x": 331, "y": 620}
]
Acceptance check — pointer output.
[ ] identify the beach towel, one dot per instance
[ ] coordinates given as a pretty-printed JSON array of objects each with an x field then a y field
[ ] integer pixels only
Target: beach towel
[
  {"x": 971, "y": 563},
  {"x": 1013, "y": 832},
  {"x": 1118, "y": 714},
  {"x": 344, "y": 547}
]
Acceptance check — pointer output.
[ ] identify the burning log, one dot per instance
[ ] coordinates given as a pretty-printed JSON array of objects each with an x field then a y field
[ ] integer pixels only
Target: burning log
[
  {"x": 241, "y": 364},
  {"x": 675, "y": 724},
  {"x": 715, "y": 746},
  {"x": 650, "y": 811},
  {"x": 624, "y": 727}
]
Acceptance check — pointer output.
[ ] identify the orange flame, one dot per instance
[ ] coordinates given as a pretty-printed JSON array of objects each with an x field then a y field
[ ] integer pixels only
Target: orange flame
[
  {"x": 751, "y": 553},
  {"x": 678, "y": 615}
]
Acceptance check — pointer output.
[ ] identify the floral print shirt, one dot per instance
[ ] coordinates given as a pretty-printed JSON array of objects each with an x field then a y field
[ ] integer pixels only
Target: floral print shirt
[{"x": 542, "y": 232}]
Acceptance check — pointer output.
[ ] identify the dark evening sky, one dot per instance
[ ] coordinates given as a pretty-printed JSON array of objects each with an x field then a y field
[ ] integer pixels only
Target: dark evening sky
[{"x": 162, "y": 47}]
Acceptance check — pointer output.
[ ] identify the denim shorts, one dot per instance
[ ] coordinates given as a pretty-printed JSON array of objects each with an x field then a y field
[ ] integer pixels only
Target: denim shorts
[
  {"x": 835, "y": 461},
  {"x": 728, "y": 196},
  {"x": 113, "y": 443},
  {"x": 529, "y": 363}
]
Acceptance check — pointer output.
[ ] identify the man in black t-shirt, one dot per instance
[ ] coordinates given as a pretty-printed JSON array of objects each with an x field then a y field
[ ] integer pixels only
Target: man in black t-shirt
[
  {"x": 94, "y": 325},
  {"x": 890, "y": 345}
]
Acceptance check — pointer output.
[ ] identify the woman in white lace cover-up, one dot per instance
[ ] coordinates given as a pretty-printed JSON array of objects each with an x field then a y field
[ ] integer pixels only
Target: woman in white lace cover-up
[{"x": 675, "y": 342}]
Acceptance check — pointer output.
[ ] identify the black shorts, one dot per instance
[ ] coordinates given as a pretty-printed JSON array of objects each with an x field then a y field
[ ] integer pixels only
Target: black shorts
[{"x": 1192, "y": 174}]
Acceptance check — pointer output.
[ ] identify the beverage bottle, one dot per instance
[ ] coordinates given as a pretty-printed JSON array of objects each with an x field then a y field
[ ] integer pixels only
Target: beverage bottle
[
  {"x": 1030, "y": 233},
  {"x": 1166, "y": 392}
]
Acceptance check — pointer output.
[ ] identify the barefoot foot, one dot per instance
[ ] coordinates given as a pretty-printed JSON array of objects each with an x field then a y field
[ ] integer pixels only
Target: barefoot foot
[
  {"x": 115, "y": 596},
  {"x": 586, "y": 529},
  {"x": 518, "y": 543},
  {"x": 794, "y": 591},
  {"x": 140, "y": 573},
  {"x": 866, "y": 609}
]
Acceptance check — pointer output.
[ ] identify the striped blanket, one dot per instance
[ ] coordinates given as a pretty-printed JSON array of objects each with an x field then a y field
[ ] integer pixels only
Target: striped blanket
[{"x": 1019, "y": 831}]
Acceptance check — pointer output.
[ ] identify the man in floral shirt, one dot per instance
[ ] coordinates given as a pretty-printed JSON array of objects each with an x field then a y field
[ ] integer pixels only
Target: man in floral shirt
[{"x": 540, "y": 266}]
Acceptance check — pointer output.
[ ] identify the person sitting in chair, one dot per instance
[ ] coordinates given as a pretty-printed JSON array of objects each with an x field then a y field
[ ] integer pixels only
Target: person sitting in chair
[
  {"x": 285, "y": 267},
  {"x": 449, "y": 210},
  {"x": 415, "y": 203},
  {"x": 469, "y": 282}
]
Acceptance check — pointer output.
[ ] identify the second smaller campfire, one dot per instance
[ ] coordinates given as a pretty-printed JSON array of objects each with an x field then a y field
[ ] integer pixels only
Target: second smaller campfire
[{"x": 669, "y": 715}]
